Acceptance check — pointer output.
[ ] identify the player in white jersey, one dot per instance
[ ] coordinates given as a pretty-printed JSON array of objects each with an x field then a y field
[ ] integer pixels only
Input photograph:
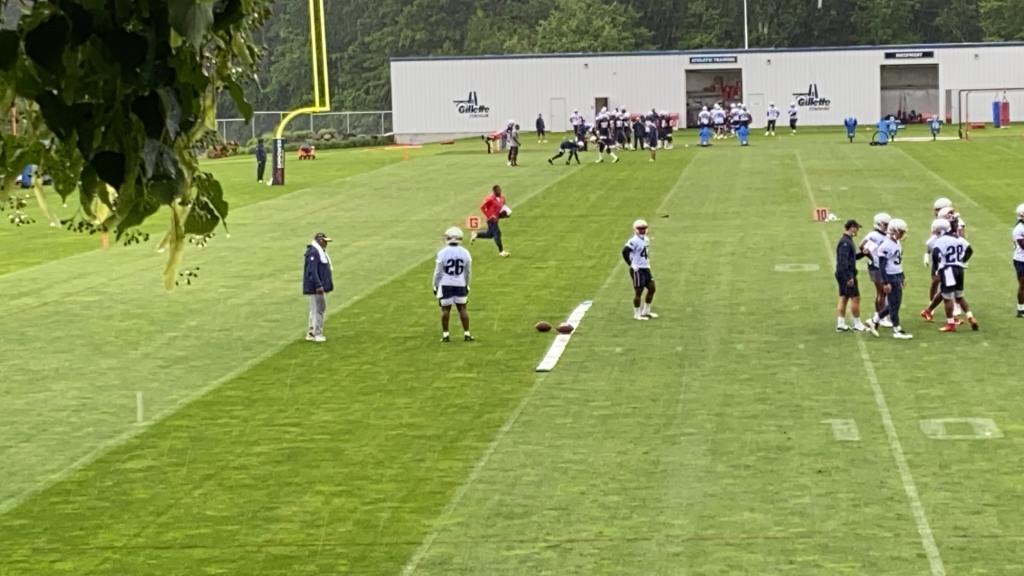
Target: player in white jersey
[
  {"x": 718, "y": 121},
  {"x": 949, "y": 255},
  {"x": 870, "y": 246},
  {"x": 636, "y": 255},
  {"x": 704, "y": 117},
  {"x": 793, "y": 112},
  {"x": 933, "y": 288},
  {"x": 451, "y": 282},
  {"x": 1018, "y": 258},
  {"x": 773, "y": 117},
  {"x": 890, "y": 263}
]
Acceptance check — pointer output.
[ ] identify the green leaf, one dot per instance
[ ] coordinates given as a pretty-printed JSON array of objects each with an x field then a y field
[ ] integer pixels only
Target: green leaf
[
  {"x": 8, "y": 49},
  {"x": 238, "y": 96},
  {"x": 192, "y": 19},
  {"x": 45, "y": 43},
  {"x": 110, "y": 167}
]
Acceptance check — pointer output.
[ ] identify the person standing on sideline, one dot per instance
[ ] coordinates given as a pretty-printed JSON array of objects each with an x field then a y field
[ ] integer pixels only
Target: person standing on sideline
[
  {"x": 316, "y": 283},
  {"x": 513, "y": 145},
  {"x": 493, "y": 209},
  {"x": 846, "y": 275},
  {"x": 451, "y": 282},
  {"x": 1018, "y": 259},
  {"x": 637, "y": 257},
  {"x": 773, "y": 117},
  {"x": 542, "y": 135},
  {"x": 261, "y": 160},
  {"x": 890, "y": 264},
  {"x": 794, "y": 112}
]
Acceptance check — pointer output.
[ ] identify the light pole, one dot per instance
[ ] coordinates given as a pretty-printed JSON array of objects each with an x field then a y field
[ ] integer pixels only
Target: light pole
[{"x": 746, "y": 30}]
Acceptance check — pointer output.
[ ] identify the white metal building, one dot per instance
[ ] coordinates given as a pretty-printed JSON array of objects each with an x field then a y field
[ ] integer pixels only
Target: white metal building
[{"x": 435, "y": 98}]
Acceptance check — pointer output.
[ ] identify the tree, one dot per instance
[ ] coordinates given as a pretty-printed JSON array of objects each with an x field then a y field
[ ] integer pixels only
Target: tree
[
  {"x": 1002, "y": 19},
  {"x": 119, "y": 95},
  {"x": 591, "y": 26}
]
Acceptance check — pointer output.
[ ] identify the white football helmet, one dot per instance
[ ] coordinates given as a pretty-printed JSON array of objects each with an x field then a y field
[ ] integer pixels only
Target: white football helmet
[
  {"x": 942, "y": 203},
  {"x": 897, "y": 225},
  {"x": 940, "y": 226},
  {"x": 947, "y": 213},
  {"x": 882, "y": 221},
  {"x": 640, "y": 226},
  {"x": 453, "y": 236},
  {"x": 1020, "y": 211}
]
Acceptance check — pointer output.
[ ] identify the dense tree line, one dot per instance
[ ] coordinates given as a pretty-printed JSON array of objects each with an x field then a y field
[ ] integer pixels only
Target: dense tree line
[{"x": 364, "y": 34}]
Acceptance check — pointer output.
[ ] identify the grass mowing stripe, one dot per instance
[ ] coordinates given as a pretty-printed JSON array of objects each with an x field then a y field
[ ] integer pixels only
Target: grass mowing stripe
[
  {"x": 106, "y": 445},
  {"x": 924, "y": 529},
  {"x": 460, "y": 493},
  {"x": 949, "y": 185}
]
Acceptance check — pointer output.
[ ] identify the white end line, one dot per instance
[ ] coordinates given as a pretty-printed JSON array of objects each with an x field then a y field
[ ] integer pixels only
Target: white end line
[{"x": 924, "y": 529}]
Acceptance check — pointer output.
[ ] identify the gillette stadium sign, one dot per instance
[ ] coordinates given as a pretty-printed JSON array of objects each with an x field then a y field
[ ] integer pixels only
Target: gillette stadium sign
[
  {"x": 472, "y": 107},
  {"x": 811, "y": 99}
]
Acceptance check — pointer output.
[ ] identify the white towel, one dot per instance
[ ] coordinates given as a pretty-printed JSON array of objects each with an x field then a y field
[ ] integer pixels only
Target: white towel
[{"x": 324, "y": 258}]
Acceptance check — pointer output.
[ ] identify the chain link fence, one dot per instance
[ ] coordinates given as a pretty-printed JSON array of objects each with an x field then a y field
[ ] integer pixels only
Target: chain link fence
[{"x": 264, "y": 124}]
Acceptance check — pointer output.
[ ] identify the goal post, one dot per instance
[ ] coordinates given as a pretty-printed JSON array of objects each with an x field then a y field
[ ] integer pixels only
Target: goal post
[
  {"x": 321, "y": 86},
  {"x": 978, "y": 108}
]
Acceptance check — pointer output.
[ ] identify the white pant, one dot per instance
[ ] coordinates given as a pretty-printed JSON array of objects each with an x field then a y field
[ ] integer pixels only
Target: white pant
[{"x": 317, "y": 311}]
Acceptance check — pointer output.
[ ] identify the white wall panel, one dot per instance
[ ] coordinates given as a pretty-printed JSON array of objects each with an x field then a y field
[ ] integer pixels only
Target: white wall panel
[{"x": 424, "y": 91}]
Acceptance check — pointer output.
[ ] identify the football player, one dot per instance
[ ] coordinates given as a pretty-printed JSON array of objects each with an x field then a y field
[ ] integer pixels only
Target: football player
[
  {"x": 773, "y": 117},
  {"x": 949, "y": 254},
  {"x": 890, "y": 264},
  {"x": 1018, "y": 258},
  {"x": 718, "y": 120},
  {"x": 636, "y": 255},
  {"x": 451, "y": 282},
  {"x": 572, "y": 147},
  {"x": 794, "y": 114},
  {"x": 870, "y": 246}
]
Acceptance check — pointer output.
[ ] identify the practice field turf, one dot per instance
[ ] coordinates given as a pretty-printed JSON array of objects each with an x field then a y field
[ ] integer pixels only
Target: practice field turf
[{"x": 736, "y": 434}]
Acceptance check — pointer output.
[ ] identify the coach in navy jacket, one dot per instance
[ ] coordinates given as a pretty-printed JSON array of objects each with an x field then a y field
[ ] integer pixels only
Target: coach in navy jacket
[{"x": 317, "y": 281}]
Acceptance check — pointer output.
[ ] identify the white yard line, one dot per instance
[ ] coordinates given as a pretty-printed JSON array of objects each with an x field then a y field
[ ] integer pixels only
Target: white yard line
[
  {"x": 550, "y": 360},
  {"x": 460, "y": 493},
  {"x": 924, "y": 529},
  {"x": 949, "y": 185}
]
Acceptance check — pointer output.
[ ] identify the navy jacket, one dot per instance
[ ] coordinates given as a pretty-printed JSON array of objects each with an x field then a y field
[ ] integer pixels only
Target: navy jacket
[
  {"x": 316, "y": 274},
  {"x": 261, "y": 153}
]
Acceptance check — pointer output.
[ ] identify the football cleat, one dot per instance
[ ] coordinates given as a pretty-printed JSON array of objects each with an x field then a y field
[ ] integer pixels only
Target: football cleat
[
  {"x": 319, "y": 338},
  {"x": 885, "y": 322},
  {"x": 550, "y": 162},
  {"x": 860, "y": 328},
  {"x": 843, "y": 328},
  {"x": 1020, "y": 313},
  {"x": 901, "y": 335},
  {"x": 310, "y": 337},
  {"x": 468, "y": 338},
  {"x": 870, "y": 325},
  {"x": 974, "y": 323},
  {"x": 948, "y": 328},
  {"x": 651, "y": 315},
  {"x": 927, "y": 315},
  {"x": 638, "y": 317}
]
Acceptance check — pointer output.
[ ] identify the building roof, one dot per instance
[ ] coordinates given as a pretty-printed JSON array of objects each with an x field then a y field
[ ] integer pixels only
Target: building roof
[{"x": 715, "y": 51}]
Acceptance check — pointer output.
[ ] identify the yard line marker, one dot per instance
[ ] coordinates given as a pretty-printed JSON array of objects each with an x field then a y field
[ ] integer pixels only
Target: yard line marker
[
  {"x": 460, "y": 492},
  {"x": 562, "y": 340},
  {"x": 111, "y": 443},
  {"x": 924, "y": 529},
  {"x": 138, "y": 408},
  {"x": 940, "y": 179}
]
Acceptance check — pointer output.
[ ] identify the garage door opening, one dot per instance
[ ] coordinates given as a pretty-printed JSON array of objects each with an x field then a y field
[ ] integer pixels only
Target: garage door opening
[
  {"x": 910, "y": 92},
  {"x": 706, "y": 87}
]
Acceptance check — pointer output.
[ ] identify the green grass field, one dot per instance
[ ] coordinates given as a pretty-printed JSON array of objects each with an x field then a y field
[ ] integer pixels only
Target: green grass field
[{"x": 736, "y": 434}]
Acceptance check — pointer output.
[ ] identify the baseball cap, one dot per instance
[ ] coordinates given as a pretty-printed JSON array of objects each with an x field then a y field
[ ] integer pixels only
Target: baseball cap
[
  {"x": 322, "y": 236},
  {"x": 851, "y": 223}
]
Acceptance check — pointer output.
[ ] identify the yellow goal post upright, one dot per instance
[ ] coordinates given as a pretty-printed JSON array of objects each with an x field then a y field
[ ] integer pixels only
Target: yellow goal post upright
[{"x": 321, "y": 86}]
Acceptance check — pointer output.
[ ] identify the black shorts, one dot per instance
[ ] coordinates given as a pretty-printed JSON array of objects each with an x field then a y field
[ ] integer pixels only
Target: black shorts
[
  {"x": 847, "y": 291},
  {"x": 956, "y": 287},
  {"x": 1019, "y": 267},
  {"x": 642, "y": 278},
  {"x": 448, "y": 295},
  {"x": 792, "y": 123}
]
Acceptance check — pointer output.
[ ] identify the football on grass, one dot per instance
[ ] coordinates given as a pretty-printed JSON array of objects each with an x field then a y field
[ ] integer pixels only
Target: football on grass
[
  {"x": 564, "y": 328},
  {"x": 543, "y": 326}
]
